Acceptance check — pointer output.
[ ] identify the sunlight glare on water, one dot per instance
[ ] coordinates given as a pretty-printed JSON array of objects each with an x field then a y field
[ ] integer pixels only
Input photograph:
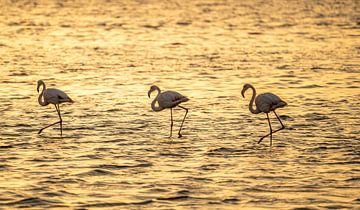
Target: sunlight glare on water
[{"x": 115, "y": 152}]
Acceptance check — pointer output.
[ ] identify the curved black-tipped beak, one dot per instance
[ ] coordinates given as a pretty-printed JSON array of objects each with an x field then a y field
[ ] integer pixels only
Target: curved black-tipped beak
[
  {"x": 37, "y": 89},
  {"x": 242, "y": 93},
  {"x": 149, "y": 92}
]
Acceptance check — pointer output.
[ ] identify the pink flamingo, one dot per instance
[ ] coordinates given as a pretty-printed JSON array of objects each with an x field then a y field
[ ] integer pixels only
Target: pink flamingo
[
  {"x": 52, "y": 96},
  {"x": 266, "y": 103},
  {"x": 168, "y": 100}
]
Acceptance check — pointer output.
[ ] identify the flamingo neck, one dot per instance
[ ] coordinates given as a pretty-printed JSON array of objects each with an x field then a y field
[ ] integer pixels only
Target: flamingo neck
[
  {"x": 153, "y": 103},
  {"x": 251, "y": 104},
  {"x": 41, "y": 99}
]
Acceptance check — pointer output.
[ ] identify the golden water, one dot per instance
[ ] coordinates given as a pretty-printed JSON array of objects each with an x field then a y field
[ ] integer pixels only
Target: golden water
[{"x": 115, "y": 152}]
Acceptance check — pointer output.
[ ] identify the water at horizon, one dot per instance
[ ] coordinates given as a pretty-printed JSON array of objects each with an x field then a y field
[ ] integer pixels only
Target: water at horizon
[{"x": 115, "y": 152}]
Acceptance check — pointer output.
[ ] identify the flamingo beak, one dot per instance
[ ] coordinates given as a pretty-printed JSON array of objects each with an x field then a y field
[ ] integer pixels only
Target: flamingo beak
[
  {"x": 242, "y": 93},
  {"x": 149, "y": 93},
  {"x": 37, "y": 88}
]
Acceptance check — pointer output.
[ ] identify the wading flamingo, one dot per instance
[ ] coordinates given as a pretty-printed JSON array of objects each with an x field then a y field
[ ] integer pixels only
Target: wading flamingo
[
  {"x": 52, "y": 96},
  {"x": 168, "y": 100},
  {"x": 266, "y": 103}
]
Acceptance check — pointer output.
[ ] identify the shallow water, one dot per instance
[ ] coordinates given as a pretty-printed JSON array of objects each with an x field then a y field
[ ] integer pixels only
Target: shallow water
[{"x": 115, "y": 152}]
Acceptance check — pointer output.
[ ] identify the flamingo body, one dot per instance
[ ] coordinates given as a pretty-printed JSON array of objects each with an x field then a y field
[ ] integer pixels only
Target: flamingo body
[
  {"x": 56, "y": 96},
  {"x": 266, "y": 103},
  {"x": 168, "y": 100}
]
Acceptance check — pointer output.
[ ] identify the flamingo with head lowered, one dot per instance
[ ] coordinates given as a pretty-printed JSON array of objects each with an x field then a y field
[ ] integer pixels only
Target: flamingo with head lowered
[
  {"x": 266, "y": 103},
  {"x": 168, "y": 100},
  {"x": 52, "y": 96}
]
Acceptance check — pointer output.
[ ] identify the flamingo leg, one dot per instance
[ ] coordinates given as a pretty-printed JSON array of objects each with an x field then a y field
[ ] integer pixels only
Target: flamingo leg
[
  {"x": 58, "y": 110},
  {"x": 282, "y": 127},
  {"x": 52, "y": 123},
  {"x": 270, "y": 134},
  {"x": 171, "y": 122},
  {"x": 182, "y": 123}
]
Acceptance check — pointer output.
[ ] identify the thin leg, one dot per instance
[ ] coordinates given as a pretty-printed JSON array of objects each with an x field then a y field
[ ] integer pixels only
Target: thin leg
[
  {"x": 58, "y": 109},
  {"x": 271, "y": 132},
  {"x": 182, "y": 123},
  {"x": 52, "y": 123},
  {"x": 47, "y": 127},
  {"x": 171, "y": 122},
  {"x": 282, "y": 127}
]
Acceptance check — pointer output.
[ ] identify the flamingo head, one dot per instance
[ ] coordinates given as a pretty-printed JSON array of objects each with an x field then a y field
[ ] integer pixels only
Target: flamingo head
[
  {"x": 39, "y": 83},
  {"x": 246, "y": 86},
  {"x": 153, "y": 88}
]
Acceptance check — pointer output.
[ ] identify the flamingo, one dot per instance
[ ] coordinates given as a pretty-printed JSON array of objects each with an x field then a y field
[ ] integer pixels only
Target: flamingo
[
  {"x": 168, "y": 100},
  {"x": 52, "y": 96},
  {"x": 266, "y": 103}
]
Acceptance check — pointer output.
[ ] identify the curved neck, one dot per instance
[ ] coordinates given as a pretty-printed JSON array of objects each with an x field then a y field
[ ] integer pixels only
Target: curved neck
[
  {"x": 251, "y": 104},
  {"x": 41, "y": 100},
  {"x": 153, "y": 103}
]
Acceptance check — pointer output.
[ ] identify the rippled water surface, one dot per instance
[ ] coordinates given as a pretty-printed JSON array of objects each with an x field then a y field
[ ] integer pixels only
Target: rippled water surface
[{"x": 115, "y": 152}]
